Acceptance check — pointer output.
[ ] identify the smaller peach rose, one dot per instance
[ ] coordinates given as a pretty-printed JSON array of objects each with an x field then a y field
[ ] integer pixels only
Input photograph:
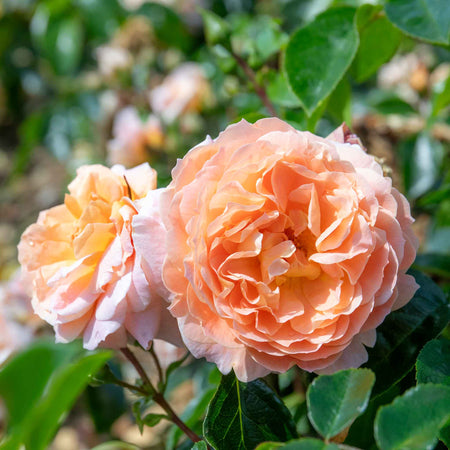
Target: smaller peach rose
[
  {"x": 88, "y": 279},
  {"x": 184, "y": 90},
  {"x": 133, "y": 138}
]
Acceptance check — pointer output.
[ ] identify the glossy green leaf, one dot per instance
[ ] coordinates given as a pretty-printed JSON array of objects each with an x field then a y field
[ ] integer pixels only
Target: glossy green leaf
[
  {"x": 433, "y": 363},
  {"x": 319, "y": 54},
  {"x": 299, "y": 444},
  {"x": 428, "y": 20},
  {"x": 40, "y": 385},
  {"x": 151, "y": 419},
  {"x": 404, "y": 333},
  {"x": 334, "y": 401},
  {"x": 242, "y": 415},
  {"x": 413, "y": 420},
  {"x": 378, "y": 41}
]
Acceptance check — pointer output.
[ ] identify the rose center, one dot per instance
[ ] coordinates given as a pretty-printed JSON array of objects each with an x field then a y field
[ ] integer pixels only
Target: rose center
[{"x": 304, "y": 241}]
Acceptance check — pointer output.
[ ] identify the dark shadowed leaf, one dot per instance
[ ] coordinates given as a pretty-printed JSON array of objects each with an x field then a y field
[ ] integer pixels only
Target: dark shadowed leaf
[
  {"x": 242, "y": 415},
  {"x": 404, "y": 332},
  {"x": 319, "y": 54},
  {"x": 334, "y": 401},
  {"x": 434, "y": 264},
  {"x": 433, "y": 363}
]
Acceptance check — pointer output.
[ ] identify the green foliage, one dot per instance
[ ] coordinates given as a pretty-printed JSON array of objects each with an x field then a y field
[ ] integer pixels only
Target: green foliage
[
  {"x": 299, "y": 444},
  {"x": 319, "y": 54},
  {"x": 423, "y": 19},
  {"x": 39, "y": 386},
  {"x": 413, "y": 420},
  {"x": 334, "y": 401},
  {"x": 404, "y": 332},
  {"x": 379, "y": 40},
  {"x": 242, "y": 415},
  {"x": 433, "y": 363}
]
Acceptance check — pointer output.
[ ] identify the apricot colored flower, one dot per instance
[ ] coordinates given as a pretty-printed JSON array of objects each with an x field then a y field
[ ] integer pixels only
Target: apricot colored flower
[
  {"x": 185, "y": 90},
  {"x": 132, "y": 138},
  {"x": 88, "y": 279},
  {"x": 284, "y": 249}
]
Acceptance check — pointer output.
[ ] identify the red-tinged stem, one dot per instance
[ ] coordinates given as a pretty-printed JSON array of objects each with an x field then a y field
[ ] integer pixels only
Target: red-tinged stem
[
  {"x": 158, "y": 397},
  {"x": 260, "y": 91}
]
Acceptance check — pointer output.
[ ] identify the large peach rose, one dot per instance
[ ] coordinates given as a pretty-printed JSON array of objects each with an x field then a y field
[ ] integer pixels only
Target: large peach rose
[
  {"x": 88, "y": 278},
  {"x": 284, "y": 249}
]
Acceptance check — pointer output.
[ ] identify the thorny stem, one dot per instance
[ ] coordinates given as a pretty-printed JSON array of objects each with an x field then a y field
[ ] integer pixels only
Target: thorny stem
[
  {"x": 260, "y": 91},
  {"x": 149, "y": 389}
]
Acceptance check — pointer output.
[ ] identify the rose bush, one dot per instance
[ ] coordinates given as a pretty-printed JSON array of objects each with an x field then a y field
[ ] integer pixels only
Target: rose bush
[
  {"x": 88, "y": 279},
  {"x": 284, "y": 249}
]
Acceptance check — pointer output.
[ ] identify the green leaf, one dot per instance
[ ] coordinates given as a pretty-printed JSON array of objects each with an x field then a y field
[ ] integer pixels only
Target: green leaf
[
  {"x": 378, "y": 41},
  {"x": 339, "y": 104},
  {"x": 334, "y": 401},
  {"x": 279, "y": 91},
  {"x": 433, "y": 263},
  {"x": 441, "y": 97},
  {"x": 200, "y": 445},
  {"x": 433, "y": 363},
  {"x": 413, "y": 420},
  {"x": 428, "y": 20},
  {"x": 58, "y": 34},
  {"x": 444, "y": 434},
  {"x": 299, "y": 444},
  {"x": 361, "y": 431},
  {"x": 404, "y": 332},
  {"x": 153, "y": 419},
  {"x": 216, "y": 29},
  {"x": 168, "y": 26},
  {"x": 68, "y": 46},
  {"x": 242, "y": 415},
  {"x": 39, "y": 386},
  {"x": 115, "y": 445},
  {"x": 257, "y": 38},
  {"x": 319, "y": 54},
  {"x": 421, "y": 160}
]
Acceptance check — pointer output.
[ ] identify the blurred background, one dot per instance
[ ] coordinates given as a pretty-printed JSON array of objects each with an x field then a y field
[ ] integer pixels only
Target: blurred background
[{"x": 129, "y": 81}]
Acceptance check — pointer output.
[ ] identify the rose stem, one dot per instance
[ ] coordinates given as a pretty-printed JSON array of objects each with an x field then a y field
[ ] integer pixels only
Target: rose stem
[
  {"x": 158, "y": 397},
  {"x": 260, "y": 91},
  {"x": 157, "y": 364}
]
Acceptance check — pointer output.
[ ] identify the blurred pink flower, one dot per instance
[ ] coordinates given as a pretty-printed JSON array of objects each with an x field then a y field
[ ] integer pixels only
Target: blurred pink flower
[
  {"x": 132, "y": 138},
  {"x": 284, "y": 249},
  {"x": 185, "y": 90}
]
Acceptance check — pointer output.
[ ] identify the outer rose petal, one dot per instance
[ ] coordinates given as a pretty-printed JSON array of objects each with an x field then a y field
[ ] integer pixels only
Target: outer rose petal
[
  {"x": 88, "y": 278},
  {"x": 284, "y": 248}
]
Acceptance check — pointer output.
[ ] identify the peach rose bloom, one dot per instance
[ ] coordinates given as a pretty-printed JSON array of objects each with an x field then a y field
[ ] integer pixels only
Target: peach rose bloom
[
  {"x": 88, "y": 278},
  {"x": 132, "y": 138},
  {"x": 184, "y": 90},
  {"x": 284, "y": 249}
]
